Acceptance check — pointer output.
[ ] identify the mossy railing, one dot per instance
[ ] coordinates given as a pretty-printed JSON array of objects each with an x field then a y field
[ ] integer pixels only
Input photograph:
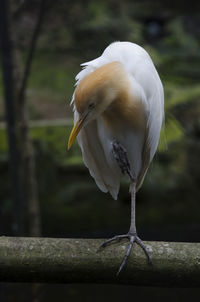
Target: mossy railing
[{"x": 52, "y": 260}]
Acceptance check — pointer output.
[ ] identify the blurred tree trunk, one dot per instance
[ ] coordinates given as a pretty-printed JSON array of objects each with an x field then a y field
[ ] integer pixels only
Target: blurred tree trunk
[
  {"x": 26, "y": 205},
  {"x": 25, "y": 143},
  {"x": 27, "y": 159},
  {"x": 8, "y": 81}
]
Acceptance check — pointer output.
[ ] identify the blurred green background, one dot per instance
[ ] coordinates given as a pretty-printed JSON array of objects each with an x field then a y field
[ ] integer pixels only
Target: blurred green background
[{"x": 71, "y": 205}]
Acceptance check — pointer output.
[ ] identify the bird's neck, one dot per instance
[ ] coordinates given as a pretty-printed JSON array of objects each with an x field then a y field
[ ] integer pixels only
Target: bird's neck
[{"x": 125, "y": 111}]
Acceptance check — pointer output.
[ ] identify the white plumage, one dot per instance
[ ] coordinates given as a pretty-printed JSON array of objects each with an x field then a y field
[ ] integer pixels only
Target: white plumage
[{"x": 95, "y": 138}]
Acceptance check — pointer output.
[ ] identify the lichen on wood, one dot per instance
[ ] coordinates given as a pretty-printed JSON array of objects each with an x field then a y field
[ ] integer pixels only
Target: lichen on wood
[{"x": 55, "y": 260}]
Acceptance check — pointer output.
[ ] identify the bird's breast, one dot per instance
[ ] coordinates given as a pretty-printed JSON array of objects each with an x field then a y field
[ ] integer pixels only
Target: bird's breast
[
  {"x": 126, "y": 123},
  {"x": 125, "y": 115}
]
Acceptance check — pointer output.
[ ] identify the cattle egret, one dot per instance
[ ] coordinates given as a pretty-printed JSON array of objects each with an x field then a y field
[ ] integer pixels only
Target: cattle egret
[{"x": 118, "y": 114}]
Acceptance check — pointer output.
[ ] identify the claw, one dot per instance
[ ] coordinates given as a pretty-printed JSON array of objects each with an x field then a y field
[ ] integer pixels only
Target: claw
[
  {"x": 132, "y": 239},
  {"x": 143, "y": 246},
  {"x": 108, "y": 241}
]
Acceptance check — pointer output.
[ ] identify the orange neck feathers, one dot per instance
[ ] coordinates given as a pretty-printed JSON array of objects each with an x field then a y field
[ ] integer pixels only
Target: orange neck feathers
[{"x": 108, "y": 89}]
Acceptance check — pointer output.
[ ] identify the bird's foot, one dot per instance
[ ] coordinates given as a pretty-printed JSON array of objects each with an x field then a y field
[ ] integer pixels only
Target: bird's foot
[{"x": 132, "y": 238}]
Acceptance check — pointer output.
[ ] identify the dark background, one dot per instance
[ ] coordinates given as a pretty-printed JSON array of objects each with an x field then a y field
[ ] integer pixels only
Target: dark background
[{"x": 70, "y": 204}]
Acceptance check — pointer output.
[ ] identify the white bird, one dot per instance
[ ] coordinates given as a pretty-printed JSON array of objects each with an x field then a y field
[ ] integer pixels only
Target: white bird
[{"x": 118, "y": 115}]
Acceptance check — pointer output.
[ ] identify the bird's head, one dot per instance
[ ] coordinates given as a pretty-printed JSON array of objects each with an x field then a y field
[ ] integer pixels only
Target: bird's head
[{"x": 94, "y": 94}]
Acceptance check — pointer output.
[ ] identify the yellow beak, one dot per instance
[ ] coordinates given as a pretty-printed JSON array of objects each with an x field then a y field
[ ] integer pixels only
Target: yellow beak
[{"x": 77, "y": 127}]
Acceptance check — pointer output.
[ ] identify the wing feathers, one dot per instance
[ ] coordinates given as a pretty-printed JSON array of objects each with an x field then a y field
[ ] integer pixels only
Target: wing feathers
[{"x": 95, "y": 159}]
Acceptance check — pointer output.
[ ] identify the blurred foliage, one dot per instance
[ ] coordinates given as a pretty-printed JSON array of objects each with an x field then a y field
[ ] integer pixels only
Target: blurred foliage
[{"x": 78, "y": 31}]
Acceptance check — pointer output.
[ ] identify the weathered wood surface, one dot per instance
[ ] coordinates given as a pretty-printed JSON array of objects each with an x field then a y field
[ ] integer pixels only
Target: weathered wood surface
[{"x": 54, "y": 260}]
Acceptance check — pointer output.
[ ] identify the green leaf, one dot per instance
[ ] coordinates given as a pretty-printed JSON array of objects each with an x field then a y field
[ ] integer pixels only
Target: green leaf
[{"x": 172, "y": 131}]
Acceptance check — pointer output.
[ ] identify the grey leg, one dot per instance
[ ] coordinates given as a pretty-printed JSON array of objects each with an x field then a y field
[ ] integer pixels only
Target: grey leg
[{"x": 120, "y": 155}]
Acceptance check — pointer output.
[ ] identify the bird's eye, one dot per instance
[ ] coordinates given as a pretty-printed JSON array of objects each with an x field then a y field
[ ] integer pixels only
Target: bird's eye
[{"x": 91, "y": 106}]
